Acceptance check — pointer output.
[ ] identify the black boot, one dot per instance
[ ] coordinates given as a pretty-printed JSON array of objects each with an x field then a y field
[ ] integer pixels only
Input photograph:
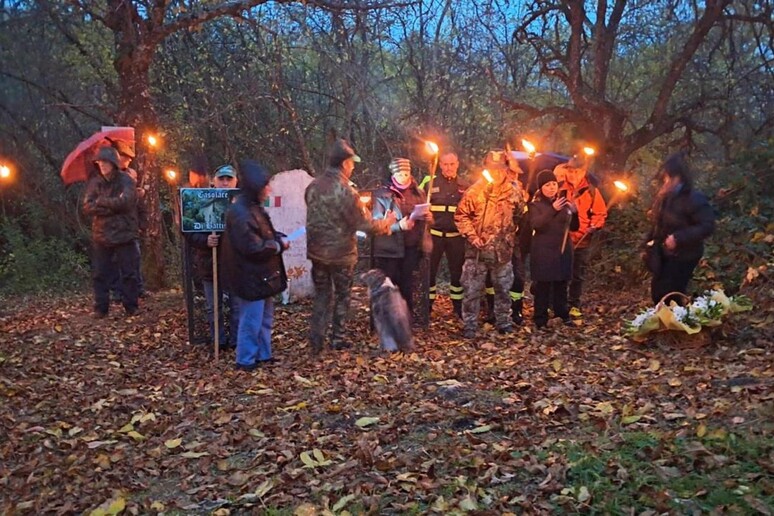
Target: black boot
[
  {"x": 490, "y": 313},
  {"x": 516, "y": 315},
  {"x": 457, "y": 307}
]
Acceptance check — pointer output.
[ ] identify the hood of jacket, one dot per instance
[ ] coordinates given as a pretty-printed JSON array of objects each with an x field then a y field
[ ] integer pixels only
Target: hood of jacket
[{"x": 253, "y": 178}]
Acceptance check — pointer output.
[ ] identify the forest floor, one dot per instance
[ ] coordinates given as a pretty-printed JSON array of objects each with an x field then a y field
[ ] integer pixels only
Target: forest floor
[{"x": 124, "y": 415}]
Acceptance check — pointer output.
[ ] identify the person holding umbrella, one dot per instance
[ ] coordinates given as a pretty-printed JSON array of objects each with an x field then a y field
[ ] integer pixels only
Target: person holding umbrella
[{"x": 111, "y": 201}]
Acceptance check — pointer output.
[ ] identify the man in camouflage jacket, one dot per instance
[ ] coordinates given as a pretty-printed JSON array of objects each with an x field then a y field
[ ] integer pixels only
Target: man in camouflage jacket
[
  {"x": 333, "y": 215},
  {"x": 488, "y": 217}
]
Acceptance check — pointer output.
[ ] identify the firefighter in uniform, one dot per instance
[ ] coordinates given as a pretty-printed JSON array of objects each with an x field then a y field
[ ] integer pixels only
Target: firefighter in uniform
[{"x": 447, "y": 190}]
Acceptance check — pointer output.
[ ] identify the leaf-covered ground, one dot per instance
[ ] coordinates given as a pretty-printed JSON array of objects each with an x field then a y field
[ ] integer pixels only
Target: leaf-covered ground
[{"x": 122, "y": 414}]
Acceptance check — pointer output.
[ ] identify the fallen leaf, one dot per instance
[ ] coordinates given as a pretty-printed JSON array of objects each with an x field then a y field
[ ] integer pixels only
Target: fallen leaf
[
  {"x": 110, "y": 508},
  {"x": 343, "y": 501},
  {"x": 173, "y": 443},
  {"x": 481, "y": 429},
  {"x": 366, "y": 421},
  {"x": 627, "y": 420}
]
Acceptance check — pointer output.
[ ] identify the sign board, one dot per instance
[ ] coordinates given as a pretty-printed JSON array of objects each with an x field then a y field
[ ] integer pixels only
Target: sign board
[{"x": 204, "y": 209}]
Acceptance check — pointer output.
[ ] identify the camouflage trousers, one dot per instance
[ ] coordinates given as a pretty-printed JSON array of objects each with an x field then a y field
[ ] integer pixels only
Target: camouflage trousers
[
  {"x": 473, "y": 280},
  {"x": 332, "y": 286}
]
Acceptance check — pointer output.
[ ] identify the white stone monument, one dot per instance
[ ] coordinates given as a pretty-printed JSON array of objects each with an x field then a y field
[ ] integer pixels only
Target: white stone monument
[{"x": 287, "y": 209}]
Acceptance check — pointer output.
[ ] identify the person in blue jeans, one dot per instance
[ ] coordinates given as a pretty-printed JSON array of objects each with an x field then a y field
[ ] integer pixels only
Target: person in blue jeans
[
  {"x": 225, "y": 176},
  {"x": 252, "y": 251}
]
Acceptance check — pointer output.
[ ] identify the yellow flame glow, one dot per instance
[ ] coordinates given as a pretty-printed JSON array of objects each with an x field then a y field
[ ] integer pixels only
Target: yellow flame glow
[
  {"x": 528, "y": 146},
  {"x": 488, "y": 176},
  {"x": 152, "y": 140},
  {"x": 589, "y": 151},
  {"x": 5, "y": 171},
  {"x": 365, "y": 199},
  {"x": 621, "y": 186},
  {"x": 171, "y": 174},
  {"x": 432, "y": 147}
]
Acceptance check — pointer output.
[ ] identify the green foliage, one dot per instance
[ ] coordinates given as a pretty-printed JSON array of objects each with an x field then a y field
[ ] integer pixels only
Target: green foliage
[
  {"x": 638, "y": 471},
  {"x": 38, "y": 265}
]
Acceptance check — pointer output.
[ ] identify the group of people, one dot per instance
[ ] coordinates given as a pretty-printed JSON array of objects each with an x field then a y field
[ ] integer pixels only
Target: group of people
[{"x": 485, "y": 230}]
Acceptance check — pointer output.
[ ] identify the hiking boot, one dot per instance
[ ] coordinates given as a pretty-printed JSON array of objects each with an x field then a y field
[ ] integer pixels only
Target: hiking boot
[
  {"x": 99, "y": 314},
  {"x": 132, "y": 311},
  {"x": 469, "y": 334},
  {"x": 516, "y": 316},
  {"x": 505, "y": 330},
  {"x": 247, "y": 367},
  {"x": 340, "y": 344},
  {"x": 575, "y": 313}
]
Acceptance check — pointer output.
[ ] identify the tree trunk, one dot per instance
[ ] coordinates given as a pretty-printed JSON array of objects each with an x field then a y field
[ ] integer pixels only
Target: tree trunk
[{"x": 135, "y": 109}]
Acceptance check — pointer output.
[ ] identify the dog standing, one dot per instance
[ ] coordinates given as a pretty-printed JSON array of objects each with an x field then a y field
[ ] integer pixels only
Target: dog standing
[{"x": 390, "y": 311}]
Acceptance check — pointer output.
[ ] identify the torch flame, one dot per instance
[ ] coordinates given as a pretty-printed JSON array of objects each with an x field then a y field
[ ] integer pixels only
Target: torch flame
[
  {"x": 621, "y": 186},
  {"x": 152, "y": 140},
  {"x": 528, "y": 146},
  {"x": 171, "y": 175},
  {"x": 589, "y": 151},
  {"x": 432, "y": 148},
  {"x": 5, "y": 171},
  {"x": 365, "y": 199},
  {"x": 488, "y": 176}
]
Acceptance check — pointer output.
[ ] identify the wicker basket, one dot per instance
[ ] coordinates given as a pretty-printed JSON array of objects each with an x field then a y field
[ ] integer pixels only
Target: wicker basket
[{"x": 679, "y": 339}]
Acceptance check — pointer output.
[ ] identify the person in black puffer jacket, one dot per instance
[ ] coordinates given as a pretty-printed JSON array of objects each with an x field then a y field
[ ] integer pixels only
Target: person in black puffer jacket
[
  {"x": 254, "y": 268},
  {"x": 110, "y": 200},
  {"x": 682, "y": 218}
]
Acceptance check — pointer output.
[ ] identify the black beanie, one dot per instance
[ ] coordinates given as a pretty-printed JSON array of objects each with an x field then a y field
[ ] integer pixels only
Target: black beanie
[{"x": 545, "y": 176}]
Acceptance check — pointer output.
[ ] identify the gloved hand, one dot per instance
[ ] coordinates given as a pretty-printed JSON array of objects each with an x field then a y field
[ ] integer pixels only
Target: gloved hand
[{"x": 406, "y": 224}]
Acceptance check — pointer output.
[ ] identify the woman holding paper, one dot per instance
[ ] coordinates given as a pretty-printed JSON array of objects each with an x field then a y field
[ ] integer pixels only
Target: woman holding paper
[{"x": 399, "y": 253}]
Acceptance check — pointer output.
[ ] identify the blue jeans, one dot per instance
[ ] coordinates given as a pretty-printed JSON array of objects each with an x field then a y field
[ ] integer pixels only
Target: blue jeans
[
  {"x": 254, "y": 336},
  {"x": 233, "y": 307}
]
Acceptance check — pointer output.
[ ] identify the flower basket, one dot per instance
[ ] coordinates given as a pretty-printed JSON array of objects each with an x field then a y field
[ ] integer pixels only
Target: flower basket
[{"x": 681, "y": 326}]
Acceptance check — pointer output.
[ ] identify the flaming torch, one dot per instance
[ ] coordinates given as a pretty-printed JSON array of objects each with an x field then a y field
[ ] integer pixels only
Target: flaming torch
[
  {"x": 531, "y": 150},
  {"x": 153, "y": 141},
  {"x": 5, "y": 177},
  {"x": 432, "y": 148},
  {"x": 621, "y": 189},
  {"x": 171, "y": 176},
  {"x": 490, "y": 181}
]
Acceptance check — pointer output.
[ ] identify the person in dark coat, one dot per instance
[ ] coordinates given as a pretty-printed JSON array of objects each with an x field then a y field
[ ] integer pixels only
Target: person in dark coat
[
  {"x": 551, "y": 218},
  {"x": 202, "y": 244},
  {"x": 111, "y": 201},
  {"x": 253, "y": 264},
  {"x": 682, "y": 219},
  {"x": 399, "y": 253}
]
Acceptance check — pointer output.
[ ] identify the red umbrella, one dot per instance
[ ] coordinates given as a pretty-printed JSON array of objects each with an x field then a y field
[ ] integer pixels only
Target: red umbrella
[{"x": 76, "y": 165}]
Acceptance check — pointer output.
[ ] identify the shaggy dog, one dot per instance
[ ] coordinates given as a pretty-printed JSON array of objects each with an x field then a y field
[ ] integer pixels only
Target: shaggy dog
[{"x": 390, "y": 311}]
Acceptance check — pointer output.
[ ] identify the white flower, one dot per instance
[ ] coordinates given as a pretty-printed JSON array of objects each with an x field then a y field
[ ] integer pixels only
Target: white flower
[
  {"x": 644, "y": 316},
  {"x": 680, "y": 312}
]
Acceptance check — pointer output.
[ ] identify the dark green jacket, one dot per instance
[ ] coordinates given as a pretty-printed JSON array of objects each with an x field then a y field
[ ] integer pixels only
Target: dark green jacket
[
  {"x": 333, "y": 215},
  {"x": 112, "y": 204}
]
